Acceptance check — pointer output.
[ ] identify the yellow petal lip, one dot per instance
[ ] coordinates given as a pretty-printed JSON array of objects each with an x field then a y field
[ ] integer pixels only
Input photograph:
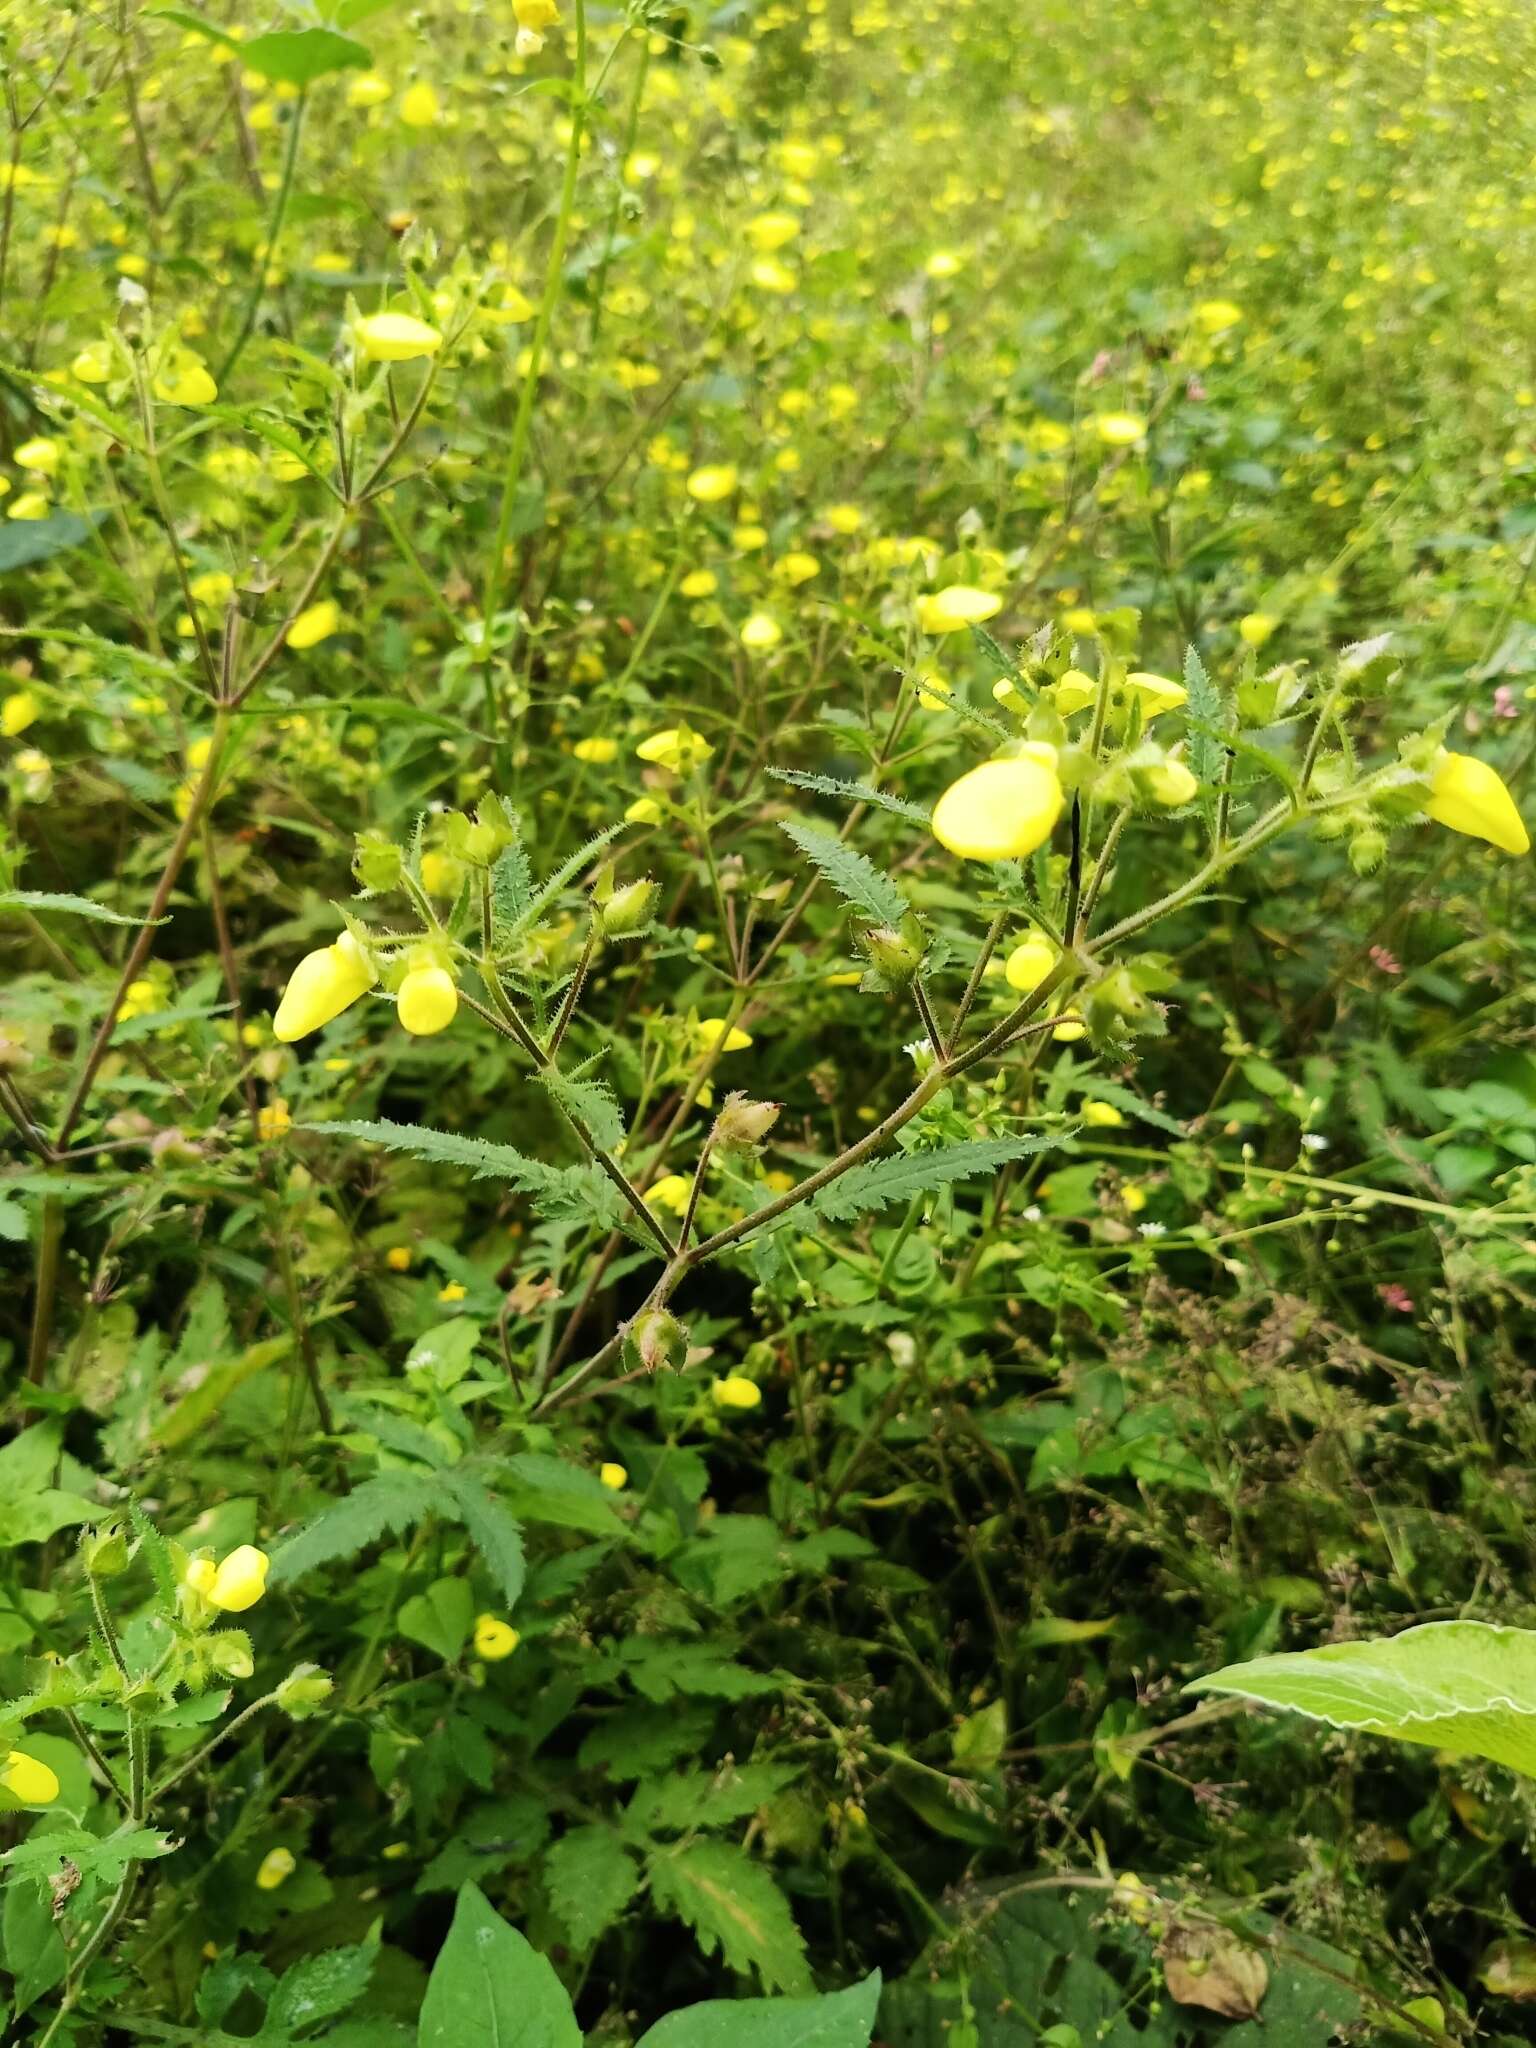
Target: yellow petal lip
[
  {"x": 395, "y": 337},
  {"x": 955, "y": 607},
  {"x": 1028, "y": 964},
  {"x": 1468, "y": 796},
  {"x": 240, "y": 1580},
  {"x": 1002, "y": 810},
  {"x": 323, "y": 984},
  {"x": 28, "y": 1779},
  {"x": 428, "y": 1001},
  {"x": 1155, "y": 693}
]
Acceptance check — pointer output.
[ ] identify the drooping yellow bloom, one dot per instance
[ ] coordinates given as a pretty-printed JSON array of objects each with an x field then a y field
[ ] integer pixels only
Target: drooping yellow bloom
[
  {"x": 1214, "y": 316},
  {"x": 843, "y": 518},
  {"x": 1468, "y": 796},
  {"x": 643, "y": 811},
  {"x": 535, "y": 15},
  {"x": 183, "y": 379},
  {"x": 1002, "y": 810},
  {"x": 273, "y": 1121},
  {"x": 395, "y": 337},
  {"x": 770, "y": 275},
  {"x": 29, "y": 505},
  {"x": 714, "y": 1031},
  {"x": 240, "y": 1580},
  {"x": 796, "y": 568},
  {"x": 1029, "y": 963},
  {"x": 699, "y": 583},
  {"x": 40, "y": 454},
  {"x": 315, "y": 623},
  {"x": 420, "y": 105},
  {"x": 17, "y": 711},
  {"x": 711, "y": 483},
  {"x": 670, "y": 1192},
  {"x": 276, "y": 1867},
  {"x": 614, "y": 1477},
  {"x": 368, "y": 89},
  {"x": 1155, "y": 694},
  {"x": 944, "y": 263},
  {"x": 1102, "y": 1116},
  {"x": 1255, "y": 628},
  {"x": 761, "y": 632},
  {"x": 323, "y": 984},
  {"x": 93, "y": 365},
  {"x": 1171, "y": 783},
  {"x": 1120, "y": 429},
  {"x": 494, "y": 1639},
  {"x": 1074, "y": 691},
  {"x": 770, "y": 231},
  {"x": 676, "y": 747},
  {"x": 398, "y": 1258},
  {"x": 736, "y": 1391},
  {"x": 28, "y": 1779},
  {"x": 599, "y": 752},
  {"x": 428, "y": 1001},
  {"x": 955, "y": 607}
]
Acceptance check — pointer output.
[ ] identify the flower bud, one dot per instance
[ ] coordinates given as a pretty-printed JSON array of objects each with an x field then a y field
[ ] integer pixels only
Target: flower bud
[
  {"x": 1367, "y": 850},
  {"x": 1029, "y": 963},
  {"x": 894, "y": 952},
  {"x": 304, "y": 1691},
  {"x": 377, "y": 861},
  {"x": 629, "y": 909},
  {"x": 1170, "y": 783},
  {"x": 743, "y": 1122},
  {"x": 614, "y": 1477},
  {"x": 229, "y": 1653},
  {"x": 1466, "y": 795},
  {"x": 657, "y": 1339},
  {"x": 275, "y": 1868},
  {"x": 736, "y": 1392}
]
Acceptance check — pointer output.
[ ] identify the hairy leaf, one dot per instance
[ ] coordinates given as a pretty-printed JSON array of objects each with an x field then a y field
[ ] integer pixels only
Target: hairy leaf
[
  {"x": 1208, "y": 715},
  {"x": 77, "y": 906},
  {"x": 382, "y": 1506},
  {"x": 735, "y": 1909},
  {"x": 852, "y": 792},
  {"x": 590, "y": 1877},
  {"x": 493, "y": 1529},
  {"x": 857, "y": 880},
  {"x": 838, "y": 2019},
  {"x": 485, "y": 1160},
  {"x": 590, "y": 1101}
]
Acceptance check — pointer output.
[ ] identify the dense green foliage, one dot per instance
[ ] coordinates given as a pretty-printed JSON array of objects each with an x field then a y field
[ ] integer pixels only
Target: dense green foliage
[{"x": 692, "y": 1459}]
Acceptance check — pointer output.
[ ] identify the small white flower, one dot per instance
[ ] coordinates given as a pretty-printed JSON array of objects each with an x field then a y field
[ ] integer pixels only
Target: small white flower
[
  {"x": 1033, "y": 1213},
  {"x": 1314, "y": 1141},
  {"x": 1153, "y": 1229}
]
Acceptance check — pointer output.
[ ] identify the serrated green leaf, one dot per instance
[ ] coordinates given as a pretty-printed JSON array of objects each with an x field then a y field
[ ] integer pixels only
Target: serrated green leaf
[
  {"x": 852, "y": 792},
  {"x": 857, "y": 880},
  {"x": 104, "y": 1857},
  {"x": 77, "y": 906},
  {"x": 590, "y": 1877},
  {"x": 493, "y": 1529},
  {"x": 876, "y": 1186},
  {"x": 735, "y": 1909},
  {"x": 705, "y": 1799},
  {"x": 837, "y": 2019},
  {"x": 1467, "y": 1687},
  {"x": 382, "y": 1506},
  {"x": 319, "y": 1987},
  {"x": 589, "y": 1101},
  {"x": 485, "y": 1160},
  {"x": 534, "y": 905},
  {"x": 1208, "y": 716}
]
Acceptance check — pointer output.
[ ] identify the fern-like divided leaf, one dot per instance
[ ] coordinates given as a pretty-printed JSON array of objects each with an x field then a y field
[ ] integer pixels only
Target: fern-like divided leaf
[
  {"x": 915, "y": 1173},
  {"x": 1127, "y": 1099},
  {"x": 1207, "y": 717},
  {"x": 378, "y": 1507},
  {"x": 515, "y": 908},
  {"x": 77, "y": 906},
  {"x": 484, "y": 1160},
  {"x": 852, "y": 793},
  {"x": 589, "y": 1101},
  {"x": 857, "y": 880},
  {"x": 734, "y": 1908}
]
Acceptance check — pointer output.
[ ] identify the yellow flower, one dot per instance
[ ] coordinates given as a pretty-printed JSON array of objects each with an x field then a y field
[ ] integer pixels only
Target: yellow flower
[
  {"x": 368, "y": 90},
  {"x": 760, "y": 632},
  {"x": 843, "y": 518},
  {"x": 420, "y": 105},
  {"x": 598, "y": 751},
  {"x": 716, "y": 480},
  {"x": 943, "y": 263},
  {"x": 453, "y": 1290},
  {"x": 29, "y": 505},
  {"x": 507, "y": 306},
  {"x": 276, "y": 1867},
  {"x": 1468, "y": 796},
  {"x": 535, "y": 15},
  {"x": 183, "y": 379},
  {"x": 614, "y": 1477},
  {"x": 670, "y": 1192},
  {"x": 240, "y": 1580},
  {"x": 699, "y": 583},
  {"x": 428, "y": 1001},
  {"x": 1029, "y": 963},
  {"x": 999, "y": 811},
  {"x": 1254, "y": 629},
  {"x": 28, "y": 1780},
  {"x": 1102, "y": 1115},
  {"x": 1214, "y": 316},
  {"x": 315, "y": 623},
  {"x": 40, "y": 455},
  {"x": 796, "y": 568},
  {"x": 494, "y": 1639},
  {"x": 714, "y": 1031},
  {"x": 676, "y": 747},
  {"x": 213, "y": 587},
  {"x": 1134, "y": 1198},
  {"x": 17, "y": 711},
  {"x": 395, "y": 337},
  {"x": 272, "y": 1120},
  {"x": 1074, "y": 691},
  {"x": 954, "y": 608},
  {"x": 398, "y": 1258},
  {"x": 1120, "y": 429},
  {"x": 770, "y": 275},
  {"x": 643, "y": 811},
  {"x": 440, "y": 873},
  {"x": 1155, "y": 694},
  {"x": 736, "y": 1391},
  {"x": 770, "y": 231},
  {"x": 324, "y": 983},
  {"x": 93, "y": 365},
  {"x": 933, "y": 690}
]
